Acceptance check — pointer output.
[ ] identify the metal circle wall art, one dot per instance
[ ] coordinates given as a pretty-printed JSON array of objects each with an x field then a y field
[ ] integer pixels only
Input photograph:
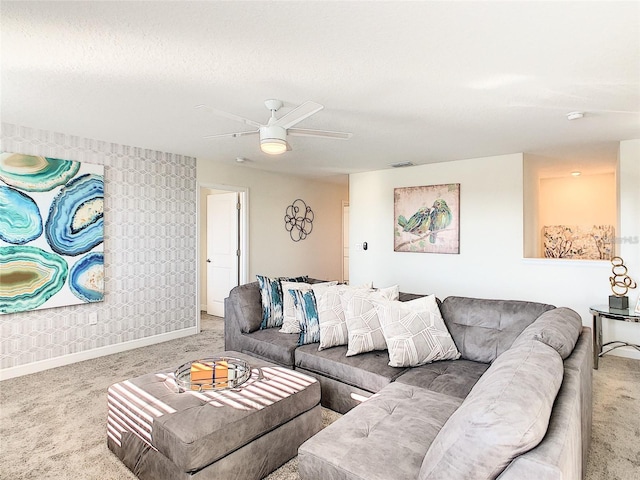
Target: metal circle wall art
[{"x": 298, "y": 220}]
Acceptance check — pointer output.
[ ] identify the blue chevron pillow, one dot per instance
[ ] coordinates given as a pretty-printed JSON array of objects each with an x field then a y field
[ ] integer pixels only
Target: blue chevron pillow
[
  {"x": 307, "y": 313},
  {"x": 271, "y": 295}
]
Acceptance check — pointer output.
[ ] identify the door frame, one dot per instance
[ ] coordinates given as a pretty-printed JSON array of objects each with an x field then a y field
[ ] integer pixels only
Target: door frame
[
  {"x": 345, "y": 203},
  {"x": 243, "y": 229}
]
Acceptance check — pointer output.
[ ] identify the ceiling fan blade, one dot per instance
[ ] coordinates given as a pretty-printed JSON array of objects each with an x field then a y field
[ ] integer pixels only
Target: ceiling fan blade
[
  {"x": 298, "y": 114},
  {"x": 305, "y": 132},
  {"x": 231, "y": 116},
  {"x": 584, "y": 110},
  {"x": 236, "y": 134},
  {"x": 632, "y": 112}
]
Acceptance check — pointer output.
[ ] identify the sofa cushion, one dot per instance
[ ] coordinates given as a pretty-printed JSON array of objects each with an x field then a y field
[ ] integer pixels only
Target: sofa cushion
[
  {"x": 333, "y": 327},
  {"x": 307, "y": 315},
  {"x": 451, "y": 377},
  {"x": 271, "y": 297},
  {"x": 385, "y": 437},
  {"x": 290, "y": 323},
  {"x": 363, "y": 323},
  {"x": 415, "y": 333},
  {"x": 482, "y": 329},
  {"x": 369, "y": 371},
  {"x": 559, "y": 328},
  {"x": 407, "y": 297},
  {"x": 506, "y": 414},
  {"x": 270, "y": 345}
]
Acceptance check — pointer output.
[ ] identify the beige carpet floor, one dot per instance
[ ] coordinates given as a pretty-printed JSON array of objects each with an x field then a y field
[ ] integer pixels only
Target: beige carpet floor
[{"x": 52, "y": 423}]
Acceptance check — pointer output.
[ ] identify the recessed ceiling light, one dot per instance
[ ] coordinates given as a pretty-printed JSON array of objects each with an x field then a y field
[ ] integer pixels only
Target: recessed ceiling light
[
  {"x": 576, "y": 173},
  {"x": 574, "y": 115}
]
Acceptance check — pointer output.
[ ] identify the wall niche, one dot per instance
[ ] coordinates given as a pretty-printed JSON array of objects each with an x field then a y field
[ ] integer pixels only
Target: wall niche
[{"x": 570, "y": 208}]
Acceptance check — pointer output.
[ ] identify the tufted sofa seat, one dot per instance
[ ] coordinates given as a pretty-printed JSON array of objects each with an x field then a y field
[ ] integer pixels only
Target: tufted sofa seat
[
  {"x": 374, "y": 427},
  {"x": 451, "y": 377}
]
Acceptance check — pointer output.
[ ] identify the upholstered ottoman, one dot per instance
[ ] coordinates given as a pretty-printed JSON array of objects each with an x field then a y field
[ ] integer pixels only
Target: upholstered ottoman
[{"x": 243, "y": 433}]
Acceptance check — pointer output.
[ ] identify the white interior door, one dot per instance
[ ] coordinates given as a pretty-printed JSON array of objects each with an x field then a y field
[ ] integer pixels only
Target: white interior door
[{"x": 222, "y": 249}]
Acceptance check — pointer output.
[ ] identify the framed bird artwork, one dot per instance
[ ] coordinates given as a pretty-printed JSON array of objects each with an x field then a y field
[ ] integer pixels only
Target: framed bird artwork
[{"x": 427, "y": 219}]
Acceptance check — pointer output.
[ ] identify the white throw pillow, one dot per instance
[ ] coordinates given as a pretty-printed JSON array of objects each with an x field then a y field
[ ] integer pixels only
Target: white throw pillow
[
  {"x": 333, "y": 328},
  {"x": 415, "y": 332},
  {"x": 363, "y": 325},
  {"x": 290, "y": 323}
]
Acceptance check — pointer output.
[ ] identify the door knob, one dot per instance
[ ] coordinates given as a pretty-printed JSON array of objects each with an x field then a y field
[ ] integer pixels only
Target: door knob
[{"x": 208, "y": 261}]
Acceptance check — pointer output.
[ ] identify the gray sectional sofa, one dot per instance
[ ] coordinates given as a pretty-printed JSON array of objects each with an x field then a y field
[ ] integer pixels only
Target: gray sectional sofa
[{"x": 516, "y": 404}]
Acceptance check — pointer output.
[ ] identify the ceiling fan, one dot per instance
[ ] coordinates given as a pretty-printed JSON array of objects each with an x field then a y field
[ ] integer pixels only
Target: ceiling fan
[{"x": 273, "y": 134}]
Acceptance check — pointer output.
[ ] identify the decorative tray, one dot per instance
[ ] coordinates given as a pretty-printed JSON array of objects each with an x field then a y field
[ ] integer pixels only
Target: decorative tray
[{"x": 215, "y": 373}]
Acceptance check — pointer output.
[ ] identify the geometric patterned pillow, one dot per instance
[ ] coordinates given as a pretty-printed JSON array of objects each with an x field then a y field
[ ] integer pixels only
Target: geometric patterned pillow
[
  {"x": 271, "y": 295},
  {"x": 333, "y": 327},
  {"x": 363, "y": 325},
  {"x": 307, "y": 313},
  {"x": 415, "y": 332}
]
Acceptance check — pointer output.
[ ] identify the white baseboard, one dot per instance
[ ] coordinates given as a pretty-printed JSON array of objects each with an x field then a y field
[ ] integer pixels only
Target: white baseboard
[{"x": 35, "y": 367}]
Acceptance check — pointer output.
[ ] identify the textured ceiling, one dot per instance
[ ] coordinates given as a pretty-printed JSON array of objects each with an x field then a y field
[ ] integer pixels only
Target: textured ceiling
[{"x": 414, "y": 81}]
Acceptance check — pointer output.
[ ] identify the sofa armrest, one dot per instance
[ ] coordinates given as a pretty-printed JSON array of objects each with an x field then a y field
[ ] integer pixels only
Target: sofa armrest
[
  {"x": 559, "y": 328},
  {"x": 581, "y": 360},
  {"x": 559, "y": 455},
  {"x": 242, "y": 314},
  {"x": 231, "y": 327}
]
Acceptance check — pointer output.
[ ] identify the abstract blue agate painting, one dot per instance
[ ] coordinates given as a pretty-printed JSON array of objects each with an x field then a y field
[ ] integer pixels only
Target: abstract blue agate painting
[
  {"x": 51, "y": 232},
  {"x": 20, "y": 220}
]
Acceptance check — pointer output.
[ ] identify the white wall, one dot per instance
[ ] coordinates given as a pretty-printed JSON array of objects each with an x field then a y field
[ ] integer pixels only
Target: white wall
[
  {"x": 490, "y": 263},
  {"x": 629, "y": 235},
  {"x": 272, "y": 252}
]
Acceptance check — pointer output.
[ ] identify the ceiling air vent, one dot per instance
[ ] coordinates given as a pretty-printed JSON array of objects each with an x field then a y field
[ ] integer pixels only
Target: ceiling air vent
[{"x": 401, "y": 164}]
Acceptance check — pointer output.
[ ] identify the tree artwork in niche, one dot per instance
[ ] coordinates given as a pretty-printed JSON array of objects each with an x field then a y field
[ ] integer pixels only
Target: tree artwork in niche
[
  {"x": 590, "y": 242},
  {"x": 298, "y": 220},
  {"x": 427, "y": 219}
]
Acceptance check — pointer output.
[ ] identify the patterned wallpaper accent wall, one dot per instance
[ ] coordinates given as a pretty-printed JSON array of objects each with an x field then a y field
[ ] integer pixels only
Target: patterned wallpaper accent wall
[{"x": 149, "y": 249}]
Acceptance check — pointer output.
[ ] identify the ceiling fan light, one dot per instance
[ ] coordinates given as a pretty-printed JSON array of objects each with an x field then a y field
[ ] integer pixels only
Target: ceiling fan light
[{"x": 273, "y": 146}]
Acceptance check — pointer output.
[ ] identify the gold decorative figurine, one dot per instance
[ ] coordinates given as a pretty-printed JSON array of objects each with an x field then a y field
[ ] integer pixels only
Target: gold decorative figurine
[{"x": 621, "y": 283}]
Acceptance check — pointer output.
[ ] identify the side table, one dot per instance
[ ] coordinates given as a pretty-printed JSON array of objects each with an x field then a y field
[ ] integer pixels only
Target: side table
[{"x": 603, "y": 311}]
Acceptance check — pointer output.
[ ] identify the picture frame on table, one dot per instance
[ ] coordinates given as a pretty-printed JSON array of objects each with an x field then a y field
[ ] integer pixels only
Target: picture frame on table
[{"x": 637, "y": 309}]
